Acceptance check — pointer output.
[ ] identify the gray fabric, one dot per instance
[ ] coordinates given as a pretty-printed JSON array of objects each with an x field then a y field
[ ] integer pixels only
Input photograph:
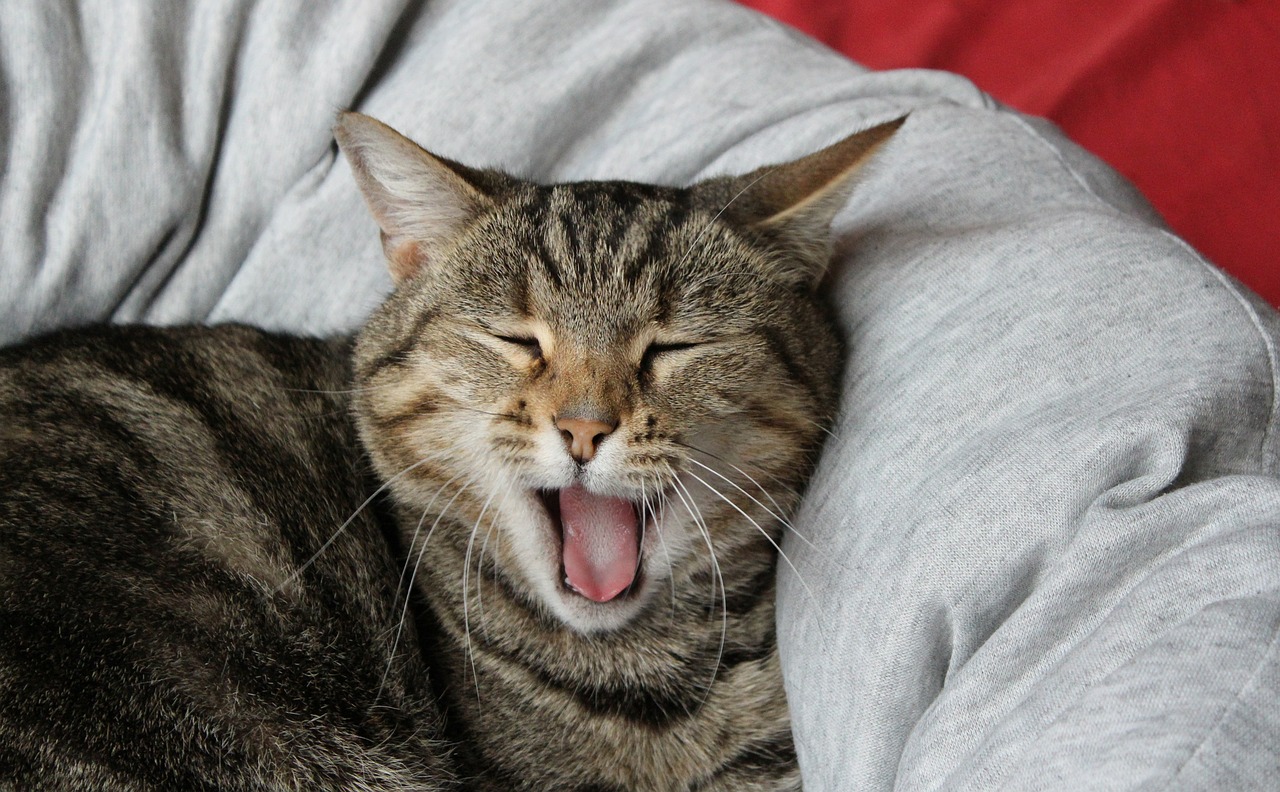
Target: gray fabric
[{"x": 1043, "y": 549}]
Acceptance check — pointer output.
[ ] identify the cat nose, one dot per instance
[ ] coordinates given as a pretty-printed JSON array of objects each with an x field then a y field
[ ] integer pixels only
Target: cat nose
[{"x": 583, "y": 436}]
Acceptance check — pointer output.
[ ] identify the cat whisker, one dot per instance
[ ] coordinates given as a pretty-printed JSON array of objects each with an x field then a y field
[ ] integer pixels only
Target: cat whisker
[
  {"x": 824, "y": 428},
  {"x": 657, "y": 517},
  {"x": 466, "y": 616},
  {"x": 395, "y": 640},
  {"x": 484, "y": 625},
  {"x": 690, "y": 250},
  {"x": 765, "y": 533},
  {"x": 505, "y": 416},
  {"x": 781, "y": 554},
  {"x": 687, "y": 498},
  {"x": 418, "y": 528},
  {"x": 760, "y": 470},
  {"x": 776, "y": 515},
  {"x": 417, "y": 562},
  {"x": 780, "y": 510},
  {"x": 333, "y": 538},
  {"x": 757, "y": 277},
  {"x": 343, "y": 391}
]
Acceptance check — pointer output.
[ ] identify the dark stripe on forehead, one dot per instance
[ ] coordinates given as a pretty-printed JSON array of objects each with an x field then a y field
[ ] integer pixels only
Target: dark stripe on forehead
[
  {"x": 658, "y": 233},
  {"x": 538, "y": 209},
  {"x": 671, "y": 278},
  {"x": 543, "y": 255},
  {"x": 618, "y": 209},
  {"x": 569, "y": 221},
  {"x": 517, "y": 289}
]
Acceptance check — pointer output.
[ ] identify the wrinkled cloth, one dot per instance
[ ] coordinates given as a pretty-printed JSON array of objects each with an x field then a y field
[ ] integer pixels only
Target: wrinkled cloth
[{"x": 1042, "y": 548}]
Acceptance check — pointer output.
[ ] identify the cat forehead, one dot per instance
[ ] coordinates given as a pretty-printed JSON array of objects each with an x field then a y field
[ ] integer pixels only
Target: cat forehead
[
  {"x": 603, "y": 260},
  {"x": 589, "y": 235}
]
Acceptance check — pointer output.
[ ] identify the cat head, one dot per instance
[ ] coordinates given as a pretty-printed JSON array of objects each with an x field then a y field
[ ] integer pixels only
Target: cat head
[{"x": 598, "y": 384}]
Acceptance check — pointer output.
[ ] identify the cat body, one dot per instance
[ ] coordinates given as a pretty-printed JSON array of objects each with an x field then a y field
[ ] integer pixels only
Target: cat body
[
  {"x": 168, "y": 619},
  {"x": 522, "y": 534}
]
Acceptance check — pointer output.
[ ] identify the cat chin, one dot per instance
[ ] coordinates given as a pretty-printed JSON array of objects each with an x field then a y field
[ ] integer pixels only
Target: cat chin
[{"x": 590, "y": 618}]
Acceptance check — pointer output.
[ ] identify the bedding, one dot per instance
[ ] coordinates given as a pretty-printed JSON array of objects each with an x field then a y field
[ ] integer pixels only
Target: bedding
[{"x": 1041, "y": 549}]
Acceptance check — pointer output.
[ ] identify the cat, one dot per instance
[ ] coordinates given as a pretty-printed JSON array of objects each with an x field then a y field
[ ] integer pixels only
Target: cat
[{"x": 521, "y": 532}]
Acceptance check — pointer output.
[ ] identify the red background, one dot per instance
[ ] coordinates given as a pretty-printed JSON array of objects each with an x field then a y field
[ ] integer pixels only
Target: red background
[{"x": 1181, "y": 96}]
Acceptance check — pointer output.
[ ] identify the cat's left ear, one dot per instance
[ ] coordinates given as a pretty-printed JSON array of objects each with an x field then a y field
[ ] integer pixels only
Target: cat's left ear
[
  {"x": 793, "y": 204},
  {"x": 421, "y": 202}
]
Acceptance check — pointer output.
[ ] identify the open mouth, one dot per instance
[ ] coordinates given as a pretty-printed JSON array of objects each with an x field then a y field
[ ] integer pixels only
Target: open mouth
[{"x": 600, "y": 542}]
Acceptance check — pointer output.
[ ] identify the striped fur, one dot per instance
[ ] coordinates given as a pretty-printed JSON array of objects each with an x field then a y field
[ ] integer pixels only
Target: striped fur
[
  {"x": 163, "y": 624},
  {"x": 235, "y": 560}
]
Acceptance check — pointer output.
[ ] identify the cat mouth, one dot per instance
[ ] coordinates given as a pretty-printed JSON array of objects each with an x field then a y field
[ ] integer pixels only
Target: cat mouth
[{"x": 601, "y": 540}]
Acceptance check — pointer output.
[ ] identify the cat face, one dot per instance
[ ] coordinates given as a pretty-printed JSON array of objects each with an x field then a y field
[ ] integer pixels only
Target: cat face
[{"x": 611, "y": 389}]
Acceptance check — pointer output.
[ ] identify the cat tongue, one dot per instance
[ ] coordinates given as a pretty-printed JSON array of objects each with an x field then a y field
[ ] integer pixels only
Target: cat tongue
[{"x": 600, "y": 543}]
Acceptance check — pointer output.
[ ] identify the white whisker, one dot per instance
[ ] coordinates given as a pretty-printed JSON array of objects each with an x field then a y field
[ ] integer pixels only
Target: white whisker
[
  {"x": 689, "y": 251},
  {"x": 765, "y": 533},
  {"x": 781, "y": 519},
  {"x": 689, "y": 504},
  {"x": 307, "y": 564},
  {"x": 657, "y": 521},
  {"x": 408, "y": 590},
  {"x": 484, "y": 625},
  {"x": 466, "y": 574}
]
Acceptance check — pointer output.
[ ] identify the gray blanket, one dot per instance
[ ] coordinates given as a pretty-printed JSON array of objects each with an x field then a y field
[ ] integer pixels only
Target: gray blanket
[{"x": 1043, "y": 548}]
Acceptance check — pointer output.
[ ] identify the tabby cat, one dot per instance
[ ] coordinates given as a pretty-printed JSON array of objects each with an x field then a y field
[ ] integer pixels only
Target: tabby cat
[{"x": 521, "y": 533}]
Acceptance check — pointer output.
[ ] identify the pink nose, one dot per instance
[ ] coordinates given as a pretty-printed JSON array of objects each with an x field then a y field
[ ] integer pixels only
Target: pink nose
[{"x": 583, "y": 436}]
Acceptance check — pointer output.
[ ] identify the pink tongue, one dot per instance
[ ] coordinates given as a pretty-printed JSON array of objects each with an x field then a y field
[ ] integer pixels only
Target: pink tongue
[{"x": 600, "y": 544}]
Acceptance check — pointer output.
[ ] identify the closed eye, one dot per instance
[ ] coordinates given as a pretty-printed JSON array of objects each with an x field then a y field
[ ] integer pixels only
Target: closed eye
[
  {"x": 660, "y": 349},
  {"x": 654, "y": 351},
  {"x": 528, "y": 343}
]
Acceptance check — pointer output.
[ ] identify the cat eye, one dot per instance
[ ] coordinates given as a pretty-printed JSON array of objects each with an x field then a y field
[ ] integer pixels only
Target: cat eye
[
  {"x": 528, "y": 343},
  {"x": 660, "y": 349},
  {"x": 656, "y": 350}
]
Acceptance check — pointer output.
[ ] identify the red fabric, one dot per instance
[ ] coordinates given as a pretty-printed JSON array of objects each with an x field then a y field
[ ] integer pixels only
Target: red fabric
[{"x": 1182, "y": 98}]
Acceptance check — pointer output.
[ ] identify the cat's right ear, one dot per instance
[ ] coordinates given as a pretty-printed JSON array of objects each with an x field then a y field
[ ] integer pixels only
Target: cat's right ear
[{"x": 421, "y": 202}]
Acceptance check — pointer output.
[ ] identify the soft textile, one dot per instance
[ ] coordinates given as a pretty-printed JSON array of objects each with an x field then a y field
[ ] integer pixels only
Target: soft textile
[{"x": 1042, "y": 550}]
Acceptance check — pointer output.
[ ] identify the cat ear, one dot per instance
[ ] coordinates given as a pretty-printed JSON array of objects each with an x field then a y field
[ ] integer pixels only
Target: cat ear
[
  {"x": 421, "y": 202},
  {"x": 793, "y": 204}
]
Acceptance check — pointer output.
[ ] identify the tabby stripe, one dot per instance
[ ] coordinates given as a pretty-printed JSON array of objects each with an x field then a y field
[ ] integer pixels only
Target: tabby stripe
[
  {"x": 538, "y": 209},
  {"x": 549, "y": 266},
  {"x": 424, "y": 405},
  {"x": 399, "y": 354},
  {"x": 664, "y": 228},
  {"x": 758, "y": 590},
  {"x": 241, "y": 446},
  {"x": 669, "y": 286},
  {"x": 774, "y": 758},
  {"x": 645, "y": 706},
  {"x": 643, "y": 259},
  {"x": 568, "y": 222},
  {"x": 778, "y": 346},
  {"x": 621, "y": 224},
  {"x": 657, "y": 710},
  {"x": 751, "y": 593}
]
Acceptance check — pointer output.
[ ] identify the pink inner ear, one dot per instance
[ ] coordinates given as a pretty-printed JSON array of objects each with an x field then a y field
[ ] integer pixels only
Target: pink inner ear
[{"x": 404, "y": 258}]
